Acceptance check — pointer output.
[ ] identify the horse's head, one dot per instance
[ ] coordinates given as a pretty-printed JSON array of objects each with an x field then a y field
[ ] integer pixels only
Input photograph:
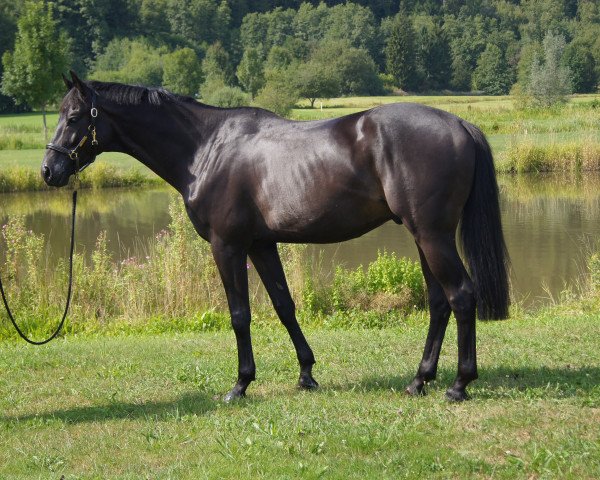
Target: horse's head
[{"x": 74, "y": 145}]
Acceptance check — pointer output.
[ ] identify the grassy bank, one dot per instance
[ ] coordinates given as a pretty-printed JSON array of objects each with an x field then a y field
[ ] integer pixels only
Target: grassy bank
[
  {"x": 22, "y": 179},
  {"x": 148, "y": 406}
]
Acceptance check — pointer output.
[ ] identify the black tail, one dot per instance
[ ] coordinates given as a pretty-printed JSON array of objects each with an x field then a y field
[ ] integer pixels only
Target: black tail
[{"x": 481, "y": 235}]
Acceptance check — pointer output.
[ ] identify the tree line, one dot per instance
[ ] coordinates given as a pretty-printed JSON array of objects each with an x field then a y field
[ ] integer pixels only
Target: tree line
[{"x": 231, "y": 52}]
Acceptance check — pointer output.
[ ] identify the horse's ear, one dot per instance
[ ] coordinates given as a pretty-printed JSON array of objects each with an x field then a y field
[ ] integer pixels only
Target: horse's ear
[
  {"x": 68, "y": 83},
  {"x": 79, "y": 84}
]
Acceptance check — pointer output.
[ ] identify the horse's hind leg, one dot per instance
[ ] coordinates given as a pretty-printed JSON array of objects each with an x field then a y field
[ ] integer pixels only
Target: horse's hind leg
[
  {"x": 447, "y": 268},
  {"x": 439, "y": 311},
  {"x": 268, "y": 265}
]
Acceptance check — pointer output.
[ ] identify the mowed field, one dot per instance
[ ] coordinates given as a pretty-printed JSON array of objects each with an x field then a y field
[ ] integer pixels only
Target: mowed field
[{"x": 149, "y": 406}]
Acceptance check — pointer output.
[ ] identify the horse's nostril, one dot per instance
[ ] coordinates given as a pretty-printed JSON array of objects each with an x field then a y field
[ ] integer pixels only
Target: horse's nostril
[{"x": 46, "y": 173}]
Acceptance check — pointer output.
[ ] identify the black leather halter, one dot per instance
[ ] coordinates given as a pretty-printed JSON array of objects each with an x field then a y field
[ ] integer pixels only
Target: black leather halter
[{"x": 72, "y": 153}]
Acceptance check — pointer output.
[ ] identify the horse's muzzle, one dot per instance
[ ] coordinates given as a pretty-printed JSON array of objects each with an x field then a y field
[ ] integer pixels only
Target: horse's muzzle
[{"x": 54, "y": 179}]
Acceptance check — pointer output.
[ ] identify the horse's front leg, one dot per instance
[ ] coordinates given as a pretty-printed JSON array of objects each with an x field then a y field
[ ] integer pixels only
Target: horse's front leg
[
  {"x": 268, "y": 265},
  {"x": 231, "y": 262}
]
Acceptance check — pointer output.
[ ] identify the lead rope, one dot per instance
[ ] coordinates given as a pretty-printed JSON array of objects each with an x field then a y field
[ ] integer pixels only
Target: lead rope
[{"x": 60, "y": 325}]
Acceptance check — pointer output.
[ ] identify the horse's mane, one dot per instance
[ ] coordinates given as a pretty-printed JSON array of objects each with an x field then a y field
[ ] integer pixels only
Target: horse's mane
[{"x": 136, "y": 94}]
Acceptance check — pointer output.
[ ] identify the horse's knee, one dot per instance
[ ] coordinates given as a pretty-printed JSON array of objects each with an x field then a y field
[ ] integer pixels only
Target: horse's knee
[{"x": 240, "y": 320}]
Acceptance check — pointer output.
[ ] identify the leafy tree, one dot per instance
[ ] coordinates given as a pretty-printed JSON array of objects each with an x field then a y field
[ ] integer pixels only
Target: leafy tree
[
  {"x": 279, "y": 58},
  {"x": 400, "y": 52},
  {"x": 32, "y": 72},
  {"x": 541, "y": 16},
  {"x": 199, "y": 22},
  {"x": 8, "y": 30},
  {"x": 550, "y": 80},
  {"x": 216, "y": 64},
  {"x": 309, "y": 22},
  {"x": 182, "y": 72},
  {"x": 250, "y": 71},
  {"x": 153, "y": 21},
  {"x": 492, "y": 75},
  {"x": 434, "y": 58},
  {"x": 357, "y": 25},
  {"x": 101, "y": 21},
  {"x": 468, "y": 39},
  {"x": 526, "y": 57},
  {"x": 316, "y": 80},
  {"x": 582, "y": 65},
  {"x": 279, "y": 27},
  {"x": 461, "y": 73},
  {"x": 268, "y": 29},
  {"x": 253, "y": 31},
  {"x": 354, "y": 67},
  {"x": 130, "y": 61}
]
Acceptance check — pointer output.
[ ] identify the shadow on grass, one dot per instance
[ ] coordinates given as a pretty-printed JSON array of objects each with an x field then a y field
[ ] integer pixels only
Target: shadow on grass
[
  {"x": 498, "y": 382},
  {"x": 189, "y": 404}
]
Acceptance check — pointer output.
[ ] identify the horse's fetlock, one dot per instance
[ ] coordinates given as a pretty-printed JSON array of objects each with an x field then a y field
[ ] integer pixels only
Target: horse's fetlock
[{"x": 246, "y": 375}]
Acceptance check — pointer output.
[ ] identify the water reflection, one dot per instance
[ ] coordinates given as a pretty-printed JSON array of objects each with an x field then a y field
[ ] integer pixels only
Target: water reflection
[{"x": 549, "y": 223}]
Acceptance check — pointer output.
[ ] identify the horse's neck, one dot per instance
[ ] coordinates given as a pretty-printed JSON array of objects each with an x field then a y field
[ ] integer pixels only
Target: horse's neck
[{"x": 165, "y": 138}]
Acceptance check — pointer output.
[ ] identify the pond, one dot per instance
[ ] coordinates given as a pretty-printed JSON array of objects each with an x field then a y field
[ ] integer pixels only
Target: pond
[{"x": 550, "y": 224}]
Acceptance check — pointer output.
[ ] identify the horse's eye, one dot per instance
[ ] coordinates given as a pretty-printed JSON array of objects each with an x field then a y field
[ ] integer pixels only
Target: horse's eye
[{"x": 71, "y": 120}]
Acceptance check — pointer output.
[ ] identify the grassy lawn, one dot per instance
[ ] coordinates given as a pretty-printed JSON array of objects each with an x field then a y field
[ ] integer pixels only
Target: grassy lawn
[{"x": 147, "y": 406}]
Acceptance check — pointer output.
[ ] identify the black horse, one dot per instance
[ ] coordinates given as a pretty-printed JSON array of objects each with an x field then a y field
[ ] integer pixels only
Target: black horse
[{"x": 250, "y": 179}]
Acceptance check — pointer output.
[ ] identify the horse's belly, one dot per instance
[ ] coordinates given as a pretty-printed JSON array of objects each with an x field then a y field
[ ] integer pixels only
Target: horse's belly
[{"x": 332, "y": 223}]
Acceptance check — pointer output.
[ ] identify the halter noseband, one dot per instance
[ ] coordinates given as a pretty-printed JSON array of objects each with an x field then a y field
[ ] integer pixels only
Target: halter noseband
[{"x": 72, "y": 153}]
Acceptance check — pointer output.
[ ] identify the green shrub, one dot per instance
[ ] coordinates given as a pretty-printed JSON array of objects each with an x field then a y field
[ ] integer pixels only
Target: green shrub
[
  {"x": 228, "y": 97},
  {"x": 215, "y": 92},
  {"x": 388, "y": 284},
  {"x": 277, "y": 97}
]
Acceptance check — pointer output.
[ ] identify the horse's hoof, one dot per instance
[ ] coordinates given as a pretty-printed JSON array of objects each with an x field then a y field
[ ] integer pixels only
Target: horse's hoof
[
  {"x": 416, "y": 389},
  {"x": 233, "y": 396},
  {"x": 454, "y": 395},
  {"x": 307, "y": 382}
]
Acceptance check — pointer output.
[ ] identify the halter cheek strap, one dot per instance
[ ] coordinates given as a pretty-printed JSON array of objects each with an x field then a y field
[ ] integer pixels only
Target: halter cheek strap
[{"x": 72, "y": 153}]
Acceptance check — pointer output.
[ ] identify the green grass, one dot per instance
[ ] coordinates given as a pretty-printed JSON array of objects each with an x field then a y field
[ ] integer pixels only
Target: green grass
[{"x": 139, "y": 406}]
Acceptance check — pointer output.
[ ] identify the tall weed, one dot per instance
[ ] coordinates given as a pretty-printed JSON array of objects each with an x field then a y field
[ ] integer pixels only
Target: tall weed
[{"x": 526, "y": 157}]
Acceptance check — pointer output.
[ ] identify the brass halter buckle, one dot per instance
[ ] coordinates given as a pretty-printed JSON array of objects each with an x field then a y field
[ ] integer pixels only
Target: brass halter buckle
[{"x": 93, "y": 132}]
